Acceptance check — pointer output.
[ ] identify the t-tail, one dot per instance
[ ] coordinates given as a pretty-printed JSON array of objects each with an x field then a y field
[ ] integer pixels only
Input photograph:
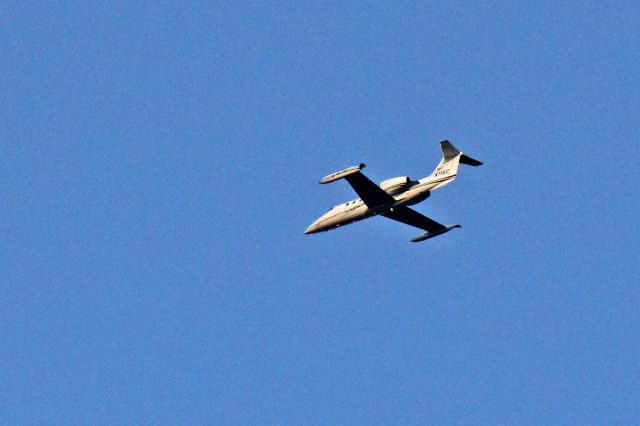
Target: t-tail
[{"x": 447, "y": 169}]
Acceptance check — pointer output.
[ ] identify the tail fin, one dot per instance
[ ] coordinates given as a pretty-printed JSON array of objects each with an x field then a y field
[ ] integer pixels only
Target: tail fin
[
  {"x": 448, "y": 166},
  {"x": 450, "y": 152}
]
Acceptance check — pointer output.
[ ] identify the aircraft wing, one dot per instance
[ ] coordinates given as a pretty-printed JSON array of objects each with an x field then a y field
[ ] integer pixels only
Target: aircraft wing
[
  {"x": 413, "y": 218},
  {"x": 369, "y": 192}
]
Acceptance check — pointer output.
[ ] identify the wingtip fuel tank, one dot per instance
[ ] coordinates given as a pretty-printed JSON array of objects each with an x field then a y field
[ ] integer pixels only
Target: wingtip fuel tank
[{"x": 435, "y": 233}]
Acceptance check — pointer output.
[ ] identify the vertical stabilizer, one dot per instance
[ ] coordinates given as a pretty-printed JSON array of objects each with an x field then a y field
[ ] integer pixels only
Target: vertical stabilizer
[
  {"x": 451, "y": 153},
  {"x": 448, "y": 166},
  {"x": 448, "y": 150},
  {"x": 447, "y": 169}
]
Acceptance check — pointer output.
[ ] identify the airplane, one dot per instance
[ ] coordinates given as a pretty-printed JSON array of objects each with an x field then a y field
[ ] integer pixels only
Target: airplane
[{"x": 394, "y": 196}]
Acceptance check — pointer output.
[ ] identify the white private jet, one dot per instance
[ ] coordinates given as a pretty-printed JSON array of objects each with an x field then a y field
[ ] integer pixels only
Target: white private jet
[{"x": 392, "y": 198}]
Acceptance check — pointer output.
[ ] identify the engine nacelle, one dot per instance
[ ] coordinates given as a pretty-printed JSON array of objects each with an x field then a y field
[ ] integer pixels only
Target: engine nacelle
[{"x": 396, "y": 185}]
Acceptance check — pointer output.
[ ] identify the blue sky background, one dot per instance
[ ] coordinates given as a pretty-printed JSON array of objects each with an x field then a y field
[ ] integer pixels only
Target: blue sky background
[{"x": 160, "y": 164}]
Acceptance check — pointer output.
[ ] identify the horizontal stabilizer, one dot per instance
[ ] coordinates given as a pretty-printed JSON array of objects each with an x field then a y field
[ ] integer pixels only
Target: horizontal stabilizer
[
  {"x": 465, "y": 159},
  {"x": 342, "y": 173},
  {"x": 432, "y": 234}
]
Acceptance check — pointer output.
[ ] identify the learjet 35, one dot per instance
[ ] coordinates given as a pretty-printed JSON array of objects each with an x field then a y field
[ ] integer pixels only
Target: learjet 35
[{"x": 394, "y": 196}]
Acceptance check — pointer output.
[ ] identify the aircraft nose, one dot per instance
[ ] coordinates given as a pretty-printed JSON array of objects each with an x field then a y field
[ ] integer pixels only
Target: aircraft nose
[{"x": 311, "y": 229}]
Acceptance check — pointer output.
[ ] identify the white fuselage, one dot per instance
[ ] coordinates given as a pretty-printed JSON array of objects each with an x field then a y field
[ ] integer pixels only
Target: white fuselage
[{"x": 355, "y": 210}]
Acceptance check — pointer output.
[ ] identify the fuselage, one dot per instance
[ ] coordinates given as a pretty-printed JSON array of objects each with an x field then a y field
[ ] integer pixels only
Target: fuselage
[{"x": 355, "y": 210}]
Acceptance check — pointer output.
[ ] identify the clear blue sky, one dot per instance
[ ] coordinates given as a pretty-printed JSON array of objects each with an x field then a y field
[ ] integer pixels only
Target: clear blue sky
[{"x": 160, "y": 164}]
